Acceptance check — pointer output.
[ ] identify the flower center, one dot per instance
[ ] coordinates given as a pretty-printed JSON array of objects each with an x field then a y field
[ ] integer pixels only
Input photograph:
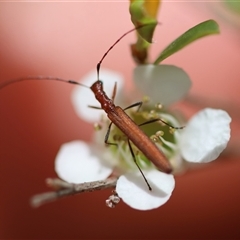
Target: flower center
[{"x": 159, "y": 131}]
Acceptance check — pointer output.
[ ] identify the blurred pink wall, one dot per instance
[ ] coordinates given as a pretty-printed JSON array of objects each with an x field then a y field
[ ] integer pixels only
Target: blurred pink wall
[{"x": 67, "y": 40}]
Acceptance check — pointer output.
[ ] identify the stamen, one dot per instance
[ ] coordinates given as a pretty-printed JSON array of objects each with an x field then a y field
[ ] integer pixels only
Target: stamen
[
  {"x": 154, "y": 138},
  {"x": 146, "y": 99},
  {"x": 159, "y": 106},
  {"x": 152, "y": 112},
  {"x": 159, "y": 133},
  {"x": 97, "y": 126},
  {"x": 171, "y": 130}
]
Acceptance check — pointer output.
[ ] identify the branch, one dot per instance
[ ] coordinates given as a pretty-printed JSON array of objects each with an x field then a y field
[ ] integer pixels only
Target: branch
[{"x": 64, "y": 189}]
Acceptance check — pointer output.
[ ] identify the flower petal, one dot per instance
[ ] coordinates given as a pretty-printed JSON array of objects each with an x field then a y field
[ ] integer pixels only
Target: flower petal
[
  {"x": 205, "y": 136},
  {"x": 76, "y": 162},
  {"x": 134, "y": 191},
  {"x": 164, "y": 84},
  {"x": 82, "y": 97}
]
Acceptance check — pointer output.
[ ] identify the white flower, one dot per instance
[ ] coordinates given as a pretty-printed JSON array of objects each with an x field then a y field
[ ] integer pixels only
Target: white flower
[
  {"x": 163, "y": 83},
  {"x": 133, "y": 191},
  {"x": 207, "y": 133},
  {"x": 76, "y": 162},
  {"x": 205, "y": 136},
  {"x": 202, "y": 140},
  {"x": 83, "y": 97}
]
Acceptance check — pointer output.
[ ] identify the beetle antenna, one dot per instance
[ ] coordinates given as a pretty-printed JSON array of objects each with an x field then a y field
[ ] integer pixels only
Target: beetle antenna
[
  {"x": 118, "y": 40},
  {"x": 5, "y": 84}
]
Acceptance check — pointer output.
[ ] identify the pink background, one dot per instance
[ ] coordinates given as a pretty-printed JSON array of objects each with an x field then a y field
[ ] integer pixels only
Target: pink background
[{"x": 67, "y": 40}]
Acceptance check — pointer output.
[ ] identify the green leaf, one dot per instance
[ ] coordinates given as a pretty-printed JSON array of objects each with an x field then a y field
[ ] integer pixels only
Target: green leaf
[{"x": 203, "y": 29}]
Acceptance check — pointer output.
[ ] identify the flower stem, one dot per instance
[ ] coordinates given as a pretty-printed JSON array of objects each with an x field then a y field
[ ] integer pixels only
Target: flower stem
[{"x": 68, "y": 189}]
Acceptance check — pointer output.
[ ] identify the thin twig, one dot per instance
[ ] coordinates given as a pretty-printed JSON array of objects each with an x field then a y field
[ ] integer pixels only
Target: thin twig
[{"x": 68, "y": 189}]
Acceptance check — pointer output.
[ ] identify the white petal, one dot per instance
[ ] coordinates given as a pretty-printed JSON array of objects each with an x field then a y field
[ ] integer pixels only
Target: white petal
[
  {"x": 205, "y": 136},
  {"x": 82, "y": 97},
  {"x": 134, "y": 191},
  {"x": 164, "y": 84},
  {"x": 76, "y": 162}
]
